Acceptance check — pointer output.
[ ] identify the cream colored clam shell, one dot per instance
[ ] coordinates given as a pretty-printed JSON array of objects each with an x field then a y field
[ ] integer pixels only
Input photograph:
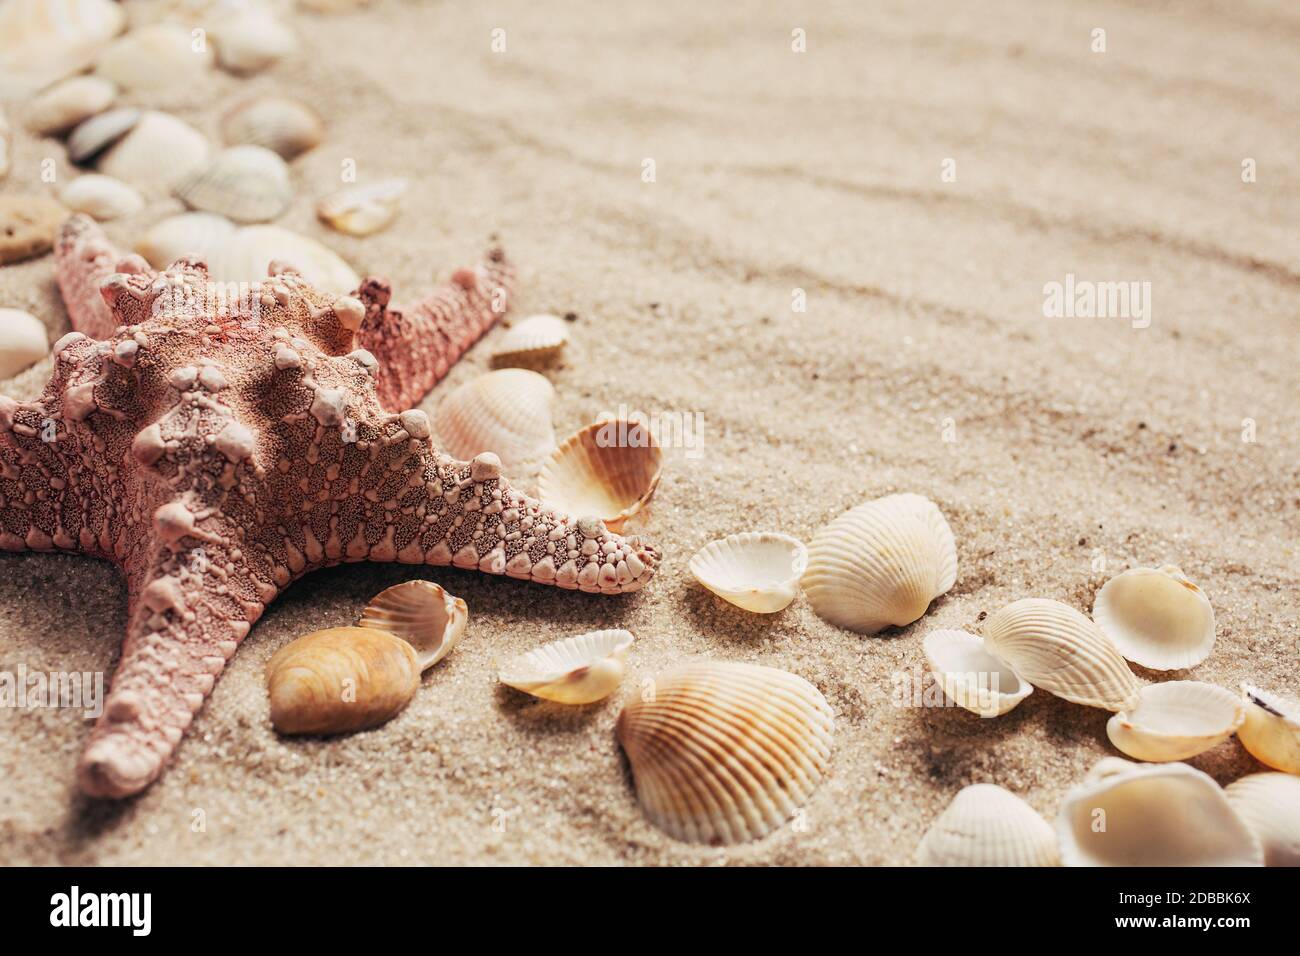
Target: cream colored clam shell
[
  {"x": 1176, "y": 720},
  {"x": 1054, "y": 647},
  {"x": 421, "y": 613},
  {"x": 1271, "y": 730},
  {"x": 1270, "y": 805},
  {"x": 531, "y": 342},
  {"x": 96, "y": 133},
  {"x": 156, "y": 58},
  {"x": 756, "y": 570},
  {"x": 506, "y": 412},
  {"x": 101, "y": 197},
  {"x": 363, "y": 209},
  {"x": 23, "y": 341},
  {"x": 1164, "y": 814},
  {"x": 42, "y": 41},
  {"x": 1156, "y": 618},
  {"x": 68, "y": 103},
  {"x": 881, "y": 563},
  {"x": 971, "y": 676},
  {"x": 722, "y": 752},
  {"x": 608, "y": 469},
  {"x": 575, "y": 670},
  {"x": 285, "y": 126},
  {"x": 243, "y": 183},
  {"x": 158, "y": 151},
  {"x": 251, "y": 39},
  {"x": 986, "y": 825}
]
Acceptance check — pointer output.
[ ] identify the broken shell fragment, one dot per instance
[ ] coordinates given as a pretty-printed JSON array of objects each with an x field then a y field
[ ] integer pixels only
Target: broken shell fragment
[
  {"x": 68, "y": 103},
  {"x": 340, "y": 680},
  {"x": 507, "y": 412},
  {"x": 609, "y": 469},
  {"x": 363, "y": 209},
  {"x": 576, "y": 670},
  {"x": 101, "y": 197},
  {"x": 1271, "y": 730},
  {"x": 756, "y": 570},
  {"x": 1270, "y": 805},
  {"x": 971, "y": 676},
  {"x": 532, "y": 342},
  {"x": 1156, "y": 618},
  {"x": 725, "y": 752},
  {"x": 881, "y": 564},
  {"x": 421, "y": 613},
  {"x": 986, "y": 825},
  {"x": 1176, "y": 720},
  {"x": 281, "y": 125},
  {"x": 242, "y": 183}
]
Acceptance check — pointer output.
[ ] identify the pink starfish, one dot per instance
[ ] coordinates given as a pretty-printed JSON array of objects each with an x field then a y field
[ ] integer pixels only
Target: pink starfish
[{"x": 216, "y": 447}]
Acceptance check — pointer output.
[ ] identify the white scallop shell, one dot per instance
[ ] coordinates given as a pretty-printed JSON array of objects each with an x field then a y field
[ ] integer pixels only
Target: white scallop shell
[
  {"x": 1160, "y": 814},
  {"x": 531, "y": 342},
  {"x": 971, "y": 676},
  {"x": 101, "y": 197},
  {"x": 155, "y": 57},
  {"x": 725, "y": 752},
  {"x": 507, "y": 412},
  {"x": 23, "y": 341},
  {"x": 243, "y": 183},
  {"x": 1176, "y": 720},
  {"x": 421, "y": 613},
  {"x": 68, "y": 103},
  {"x": 609, "y": 469},
  {"x": 281, "y": 125},
  {"x": 1156, "y": 617},
  {"x": 158, "y": 151},
  {"x": 96, "y": 133},
  {"x": 252, "y": 40},
  {"x": 42, "y": 41},
  {"x": 363, "y": 209},
  {"x": 986, "y": 825},
  {"x": 1270, "y": 805},
  {"x": 1054, "y": 647},
  {"x": 576, "y": 670},
  {"x": 1271, "y": 730},
  {"x": 881, "y": 563},
  {"x": 755, "y": 570}
]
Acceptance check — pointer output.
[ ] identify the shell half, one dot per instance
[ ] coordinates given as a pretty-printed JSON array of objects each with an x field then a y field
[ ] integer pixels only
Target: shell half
[
  {"x": 1271, "y": 730},
  {"x": 45, "y": 40},
  {"x": 1176, "y": 720},
  {"x": 158, "y": 151},
  {"x": 363, "y": 209},
  {"x": 243, "y": 183},
  {"x": 507, "y": 412},
  {"x": 986, "y": 825},
  {"x": 1156, "y": 617},
  {"x": 421, "y": 613},
  {"x": 1270, "y": 805},
  {"x": 532, "y": 342},
  {"x": 101, "y": 197},
  {"x": 756, "y": 570},
  {"x": 971, "y": 676},
  {"x": 281, "y": 125},
  {"x": 576, "y": 670},
  {"x": 609, "y": 469},
  {"x": 23, "y": 341}
]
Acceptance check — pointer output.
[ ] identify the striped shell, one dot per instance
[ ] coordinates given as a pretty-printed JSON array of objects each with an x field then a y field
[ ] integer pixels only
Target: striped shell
[
  {"x": 971, "y": 676},
  {"x": 531, "y": 342},
  {"x": 281, "y": 125},
  {"x": 756, "y": 570},
  {"x": 421, "y": 613},
  {"x": 575, "y": 670},
  {"x": 243, "y": 183},
  {"x": 608, "y": 469},
  {"x": 507, "y": 412},
  {"x": 158, "y": 151},
  {"x": 1156, "y": 618},
  {"x": 1176, "y": 720},
  {"x": 1271, "y": 731},
  {"x": 1270, "y": 805},
  {"x": 986, "y": 825},
  {"x": 722, "y": 753}
]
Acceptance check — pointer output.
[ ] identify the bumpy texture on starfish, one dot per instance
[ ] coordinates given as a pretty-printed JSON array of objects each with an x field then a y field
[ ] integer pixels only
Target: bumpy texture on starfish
[{"x": 217, "y": 443}]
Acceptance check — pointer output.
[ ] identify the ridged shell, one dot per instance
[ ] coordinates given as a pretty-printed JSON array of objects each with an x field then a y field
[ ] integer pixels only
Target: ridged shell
[
  {"x": 155, "y": 57},
  {"x": 42, "y": 41},
  {"x": 1161, "y": 814},
  {"x": 68, "y": 103},
  {"x": 243, "y": 183},
  {"x": 1054, "y": 647},
  {"x": 756, "y": 570},
  {"x": 101, "y": 197},
  {"x": 722, "y": 752},
  {"x": 1156, "y": 618},
  {"x": 971, "y": 676},
  {"x": 95, "y": 134},
  {"x": 340, "y": 680},
  {"x": 507, "y": 412},
  {"x": 1271, "y": 730},
  {"x": 532, "y": 342},
  {"x": 363, "y": 209},
  {"x": 608, "y": 469},
  {"x": 575, "y": 670},
  {"x": 1270, "y": 805},
  {"x": 282, "y": 125},
  {"x": 158, "y": 151},
  {"x": 881, "y": 564},
  {"x": 986, "y": 825},
  {"x": 421, "y": 613},
  {"x": 23, "y": 341},
  {"x": 1176, "y": 720}
]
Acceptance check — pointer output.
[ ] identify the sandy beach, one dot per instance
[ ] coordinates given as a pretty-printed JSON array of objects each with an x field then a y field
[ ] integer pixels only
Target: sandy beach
[{"x": 915, "y": 180}]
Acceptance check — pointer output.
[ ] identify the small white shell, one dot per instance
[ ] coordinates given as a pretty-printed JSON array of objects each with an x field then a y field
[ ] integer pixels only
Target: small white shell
[
  {"x": 881, "y": 563},
  {"x": 507, "y": 412},
  {"x": 196, "y": 234},
  {"x": 1271, "y": 731},
  {"x": 96, "y": 133},
  {"x": 756, "y": 570},
  {"x": 1270, "y": 805},
  {"x": 421, "y": 613},
  {"x": 243, "y": 183},
  {"x": 101, "y": 197},
  {"x": 158, "y": 151},
  {"x": 531, "y": 342},
  {"x": 42, "y": 41},
  {"x": 1054, "y": 647},
  {"x": 1176, "y": 720},
  {"x": 155, "y": 57},
  {"x": 281, "y": 125},
  {"x": 1161, "y": 814},
  {"x": 1157, "y": 618},
  {"x": 252, "y": 40},
  {"x": 23, "y": 341},
  {"x": 986, "y": 825},
  {"x": 609, "y": 469},
  {"x": 576, "y": 670},
  {"x": 66, "y": 104},
  {"x": 971, "y": 676},
  {"x": 363, "y": 209}
]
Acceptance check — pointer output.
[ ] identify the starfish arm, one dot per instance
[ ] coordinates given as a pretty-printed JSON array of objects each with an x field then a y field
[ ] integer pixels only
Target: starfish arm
[{"x": 83, "y": 259}]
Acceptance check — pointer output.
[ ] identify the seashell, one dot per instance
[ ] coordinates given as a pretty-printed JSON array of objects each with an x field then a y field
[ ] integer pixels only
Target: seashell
[
  {"x": 881, "y": 563},
  {"x": 1270, "y": 805},
  {"x": 190, "y": 234},
  {"x": 155, "y": 57},
  {"x": 23, "y": 341},
  {"x": 96, "y": 134},
  {"x": 27, "y": 226},
  {"x": 340, "y": 680},
  {"x": 971, "y": 676},
  {"x": 281, "y": 125},
  {"x": 986, "y": 825},
  {"x": 1271, "y": 730},
  {"x": 1156, "y": 618},
  {"x": 608, "y": 469},
  {"x": 757, "y": 570},
  {"x": 531, "y": 342},
  {"x": 506, "y": 412},
  {"x": 363, "y": 210},
  {"x": 1054, "y": 647},
  {"x": 251, "y": 40},
  {"x": 1163, "y": 814},
  {"x": 243, "y": 183},
  {"x": 43, "y": 41},
  {"x": 68, "y": 103},
  {"x": 1176, "y": 720},
  {"x": 725, "y": 752},
  {"x": 101, "y": 197},
  {"x": 422, "y": 614},
  {"x": 6, "y": 144},
  {"x": 576, "y": 670},
  {"x": 158, "y": 151}
]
